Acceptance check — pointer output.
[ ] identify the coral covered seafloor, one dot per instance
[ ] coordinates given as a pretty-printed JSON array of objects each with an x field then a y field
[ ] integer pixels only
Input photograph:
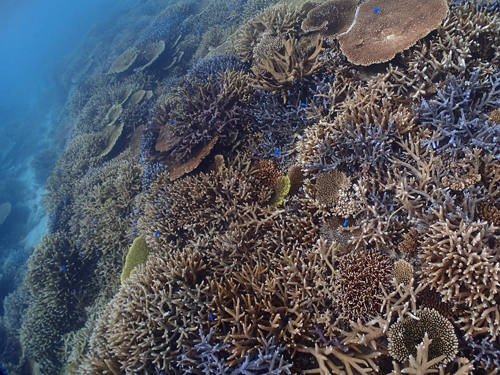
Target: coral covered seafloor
[{"x": 293, "y": 212}]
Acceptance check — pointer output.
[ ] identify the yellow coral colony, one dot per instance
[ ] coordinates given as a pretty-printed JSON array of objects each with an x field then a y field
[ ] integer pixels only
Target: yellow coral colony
[{"x": 137, "y": 255}]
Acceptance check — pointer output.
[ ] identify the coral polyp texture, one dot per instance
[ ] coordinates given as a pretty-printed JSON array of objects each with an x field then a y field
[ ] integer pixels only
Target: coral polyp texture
[
  {"x": 237, "y": 195},
  {"x": 404, "y": 337}
]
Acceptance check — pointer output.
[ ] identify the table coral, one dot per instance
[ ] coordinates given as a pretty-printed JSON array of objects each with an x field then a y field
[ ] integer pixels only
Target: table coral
[
  {"x": 377, "y": 36},
  {"x": 330, "y": 18}
]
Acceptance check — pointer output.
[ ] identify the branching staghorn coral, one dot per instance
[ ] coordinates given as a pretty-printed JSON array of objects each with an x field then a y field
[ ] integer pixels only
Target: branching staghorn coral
[
  {"x": 277, "y": 70},
  {"x": 258, "y": 36},
  {"x": 198, "y": 114},
  {"x": 209, "y": 359},
  {"x": 465, "y": 42},
  {"x": 461, "y": 263},
  {"x": 458, "y": 114}
]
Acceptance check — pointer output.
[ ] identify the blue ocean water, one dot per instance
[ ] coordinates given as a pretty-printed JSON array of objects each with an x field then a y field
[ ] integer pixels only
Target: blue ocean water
[{"x": 35, "y": 35}]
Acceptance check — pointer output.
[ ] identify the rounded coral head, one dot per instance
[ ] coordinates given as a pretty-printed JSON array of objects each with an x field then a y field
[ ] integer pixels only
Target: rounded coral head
[{"x": 404, "y": 336}]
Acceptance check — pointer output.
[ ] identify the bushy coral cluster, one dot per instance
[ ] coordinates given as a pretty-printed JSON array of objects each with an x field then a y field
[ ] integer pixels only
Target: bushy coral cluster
[{"x": 358, "y": 281}]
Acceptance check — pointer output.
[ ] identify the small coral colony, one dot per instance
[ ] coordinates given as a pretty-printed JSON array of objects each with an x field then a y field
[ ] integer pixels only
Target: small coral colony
[{"x": 252, "y": 187}]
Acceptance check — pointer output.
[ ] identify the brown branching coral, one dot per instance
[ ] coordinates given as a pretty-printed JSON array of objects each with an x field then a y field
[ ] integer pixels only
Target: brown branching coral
[
  {"x": 465, "y": 42},
  {"x": 384, "y": 28},
  {"x": 211, "y": 230},
  {"x": 151, "y": 334},
  {"x": 358, "y": 280},
  {"x": 352, "y": 363},
  {"x": 279, "y": 56},
  {"x": 364, "y": 121},
  {"x": 202, "y": 204},
  {"x": 277, "y": 70},
  {"x": 461, "y": 263},
  {"x": 404, "y": 336},
  {"x": 274, "y": 22},
  {"x": 190, "y": 120}
]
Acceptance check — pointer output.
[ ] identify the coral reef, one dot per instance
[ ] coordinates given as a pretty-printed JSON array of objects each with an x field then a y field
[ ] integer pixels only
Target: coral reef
[{"x": 303, "y": 213}]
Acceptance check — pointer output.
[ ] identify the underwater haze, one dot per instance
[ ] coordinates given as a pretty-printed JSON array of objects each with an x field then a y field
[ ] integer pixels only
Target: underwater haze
[{"x": 35, "y": 35}]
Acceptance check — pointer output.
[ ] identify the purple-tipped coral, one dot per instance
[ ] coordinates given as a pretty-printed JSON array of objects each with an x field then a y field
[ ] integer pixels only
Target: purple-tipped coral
[{"x": 458, "y": 114}]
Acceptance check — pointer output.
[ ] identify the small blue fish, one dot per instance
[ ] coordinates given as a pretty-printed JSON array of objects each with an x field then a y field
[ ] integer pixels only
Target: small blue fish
[
  {"x": 276, "y": 152},
  {"x": 171, "y": 122},
  {"x": 59, "y": 170},
  {"x": 303, "y": 104},
  {"x": 63, "y": 267},
  {"x": 211, "y": 317},
  {"x": 156, "y": 234},
  {"x": 122, "y": 50},
  {"x": 376, "y": 10},
  {"x": 345, "y": 223}
]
